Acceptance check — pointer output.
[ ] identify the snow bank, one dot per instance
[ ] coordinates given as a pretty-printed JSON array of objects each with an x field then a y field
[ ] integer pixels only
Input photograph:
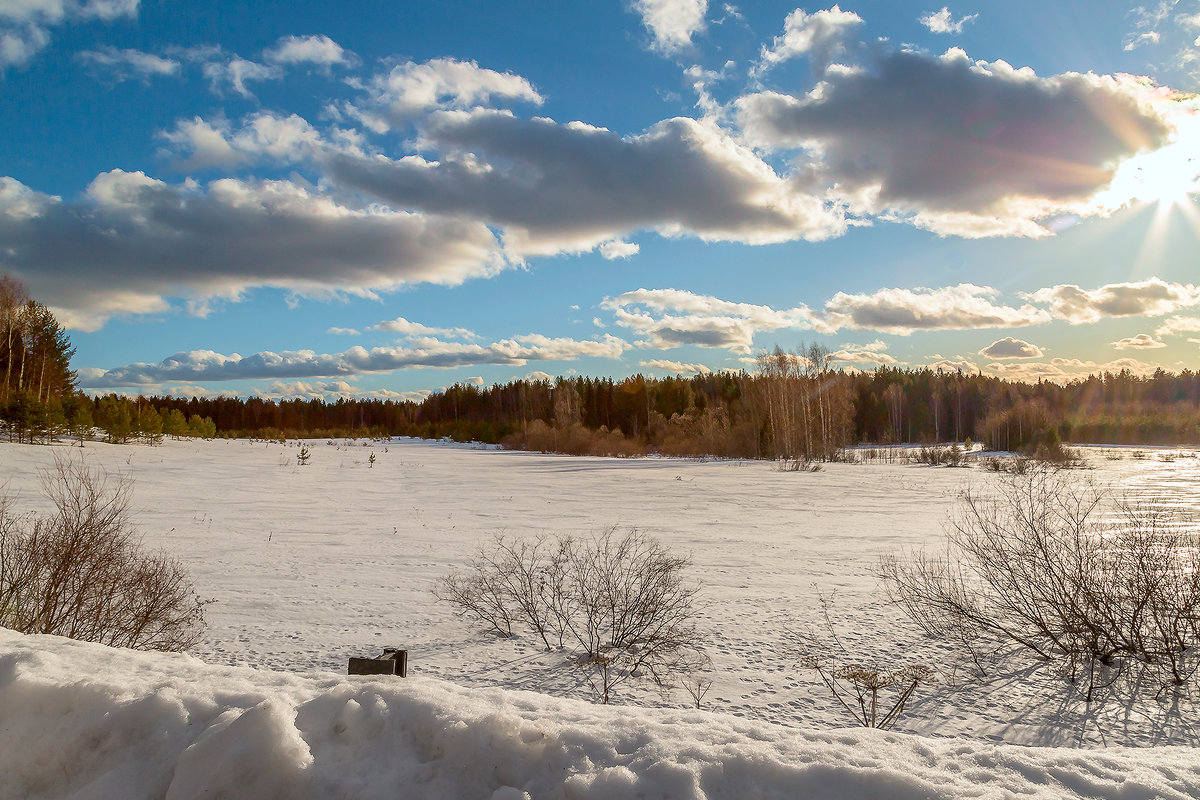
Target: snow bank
[{"x": 82, "y": 720}]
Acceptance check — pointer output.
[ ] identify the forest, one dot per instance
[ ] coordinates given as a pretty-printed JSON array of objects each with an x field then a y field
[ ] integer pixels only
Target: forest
[
  {"x": 793, "y": 405},
  {"x": 790, "y": 407}
]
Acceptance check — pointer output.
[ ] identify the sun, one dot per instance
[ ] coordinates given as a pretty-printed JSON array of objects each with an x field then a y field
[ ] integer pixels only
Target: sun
[{"x": 1169, "y": 176}]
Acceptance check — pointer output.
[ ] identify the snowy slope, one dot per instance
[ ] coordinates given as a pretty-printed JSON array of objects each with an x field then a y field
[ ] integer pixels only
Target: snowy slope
[{"x": 81, "y": 720}]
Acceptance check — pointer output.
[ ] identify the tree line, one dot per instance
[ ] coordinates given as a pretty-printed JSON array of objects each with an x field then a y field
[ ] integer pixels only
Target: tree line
[{"x": 793, "y": 405}]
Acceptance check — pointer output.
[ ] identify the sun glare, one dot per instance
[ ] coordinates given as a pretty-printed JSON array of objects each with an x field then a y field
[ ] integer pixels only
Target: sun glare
[{"x": 1168, "y": 176}]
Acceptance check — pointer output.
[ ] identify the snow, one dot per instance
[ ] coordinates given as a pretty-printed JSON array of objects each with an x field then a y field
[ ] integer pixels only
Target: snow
[
  {"x": 81, "y": 720},
  {"x": 310, "y": 565}
]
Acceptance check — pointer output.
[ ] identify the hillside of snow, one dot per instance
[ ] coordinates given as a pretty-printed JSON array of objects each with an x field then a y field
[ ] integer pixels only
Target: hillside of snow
[{"x": 81, "y": 720}]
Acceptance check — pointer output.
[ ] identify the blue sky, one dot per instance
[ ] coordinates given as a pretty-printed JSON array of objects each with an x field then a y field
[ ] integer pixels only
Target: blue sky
[{"x": 382, "y": 199}]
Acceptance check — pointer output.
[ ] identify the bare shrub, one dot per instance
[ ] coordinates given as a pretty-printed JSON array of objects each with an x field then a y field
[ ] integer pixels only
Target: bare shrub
[
  {"x": 1046, "y": 567},
  {"x": 82, "y": 573},
  {"x": 617, "y": 600}
]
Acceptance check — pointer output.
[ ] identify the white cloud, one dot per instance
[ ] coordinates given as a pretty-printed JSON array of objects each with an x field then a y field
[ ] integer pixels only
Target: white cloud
[
  {"x": 412, "y": 88},
  {"x": 262, "y": 137},
  {"x": 1063, "y": 370},
  {"x": 902, "y": 311},
  {"x": 234, "y": 73},
  {"x": 820, "y": 35},
  {"x": 1008, "y": 347},
  {"x": 133, "y": 241},
  {"x": 676, "y": 367},
  {"x": 1143, "y": 341},
  {"x": 1174, "y": 326},
  {"x": 25, "y": 24},
  {"x": 318, "y": 50},
  {"x": 672, "y": 23},
  {"x": 122, "y": 65},
  {"x": 958, "y": 364},
  {"x": 206, "y": 143},
  {"x": 207, "y": 365},
  {"x": 670, "y": 318},
  {"x": 343, "y": 332},
  {"x": 1153, "y": 297},
  {"x": 19, "y": 45},
  {"x": 616, "y": 248},
  {"x": 943, "y": 21},
  {"x": 107, "y": 9},
  {"x": 872, "y": 353},
  {"x": 404, "y": 327},
  {"x": 22, "y": 11}
]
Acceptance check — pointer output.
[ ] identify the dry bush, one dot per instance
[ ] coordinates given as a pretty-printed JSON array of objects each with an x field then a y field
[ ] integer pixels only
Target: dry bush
[
  {"x": 617, "y": 600},
  {"x": 872, "y": 696},
  {"x": 81, "y": 571},
  {"x": 1046, "y": 567}
]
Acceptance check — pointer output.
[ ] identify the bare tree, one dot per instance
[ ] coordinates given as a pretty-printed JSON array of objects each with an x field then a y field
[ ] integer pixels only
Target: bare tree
[
  {"x": 82, "y": 573},
  {"x": 1047, "y": 567}
]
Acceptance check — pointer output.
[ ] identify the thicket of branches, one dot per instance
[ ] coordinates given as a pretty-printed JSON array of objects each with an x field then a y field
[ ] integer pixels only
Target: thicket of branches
[
  {"x": 1046, "y": 567},
  {"x": 81, "y": 571},
  {"x": 617, "y": 601}
]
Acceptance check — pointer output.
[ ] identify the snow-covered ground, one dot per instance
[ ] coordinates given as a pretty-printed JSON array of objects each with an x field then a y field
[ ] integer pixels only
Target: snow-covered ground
[
  {"x": 79, "y": 720},
  {"x": 310, "y": 565}
]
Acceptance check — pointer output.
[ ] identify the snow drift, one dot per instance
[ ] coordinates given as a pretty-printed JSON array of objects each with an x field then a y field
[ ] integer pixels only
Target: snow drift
[{"x": 82, "y": 720}]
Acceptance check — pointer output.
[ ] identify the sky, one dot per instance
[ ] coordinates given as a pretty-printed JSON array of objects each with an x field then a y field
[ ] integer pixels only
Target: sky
[{"x": 382, "y": 199}]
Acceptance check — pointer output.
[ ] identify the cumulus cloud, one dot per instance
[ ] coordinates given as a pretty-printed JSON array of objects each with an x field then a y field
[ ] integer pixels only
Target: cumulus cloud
[
  {"x": 672, "y": 23},
  {"x": 902, "y": 311},
  {"x": 411, "y": 88},
  {"x": 207, "y": 365},
  {"x": 1149, "y": 298},
  {"x": 676, "y": 367},
  {"x": 1143, "y": 341},
  {"x": 957, "y": 146},
  {"x": 1008, "y": 347},
  {"x": 343, "y": 332},
  {"x": 320, "y": 51},
  {"x": 944, "y": 22},
  {"x": 404, "y": 327},
  {"x": 668, "y": 318},
  {"x": 133, "y": 240},
  {"x": 820, "y": 35},
  {"x": 121, "y": 65},
  {"x": 263, "y": 136},
  {"x": 568, "y": 188}
]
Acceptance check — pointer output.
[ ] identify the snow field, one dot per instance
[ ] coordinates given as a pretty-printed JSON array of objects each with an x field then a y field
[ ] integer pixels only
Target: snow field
[{"x": 310, "y": 565}]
